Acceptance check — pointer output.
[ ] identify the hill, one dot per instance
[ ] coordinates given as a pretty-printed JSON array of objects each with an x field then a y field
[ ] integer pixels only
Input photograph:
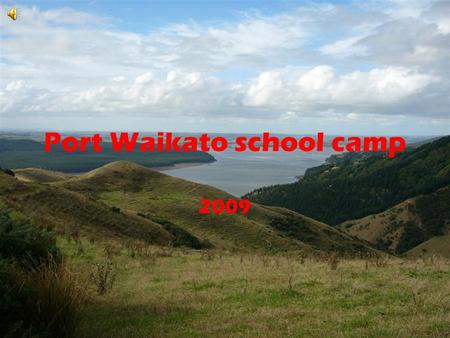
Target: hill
[
  {"x": 69, "y": 212},
  {"x": 162, "y": 198},
  {"x": 438, "y": 246},
  {"x": 25, "y": 153},
  {"x": 406, "y": 225},
  {"x": 345, "y": 190},
  {"x": 40, "y": 175},
  {"x": 123, "y": 192}
]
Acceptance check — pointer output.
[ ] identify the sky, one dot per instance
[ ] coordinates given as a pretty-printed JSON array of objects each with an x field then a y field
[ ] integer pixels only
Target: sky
[{"x": 295, "y": 67}]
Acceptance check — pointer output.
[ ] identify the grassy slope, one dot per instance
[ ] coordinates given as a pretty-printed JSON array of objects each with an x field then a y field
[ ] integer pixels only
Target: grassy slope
[
  {"x": 40, "y": 175},
  {"x": 184, "y": 294},
  {"x": 158, "y": 196},
  {"x": 65, "y": 210},
  {"x": 357, "y": 189},
  {"x": 438, "y": 245},
  {"x": 405, "y": 225}
]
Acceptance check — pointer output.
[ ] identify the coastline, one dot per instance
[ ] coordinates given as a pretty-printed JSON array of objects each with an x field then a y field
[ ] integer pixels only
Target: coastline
[
  {"x": 162, "y": 168},
  {"x": 180, "y": 166}
]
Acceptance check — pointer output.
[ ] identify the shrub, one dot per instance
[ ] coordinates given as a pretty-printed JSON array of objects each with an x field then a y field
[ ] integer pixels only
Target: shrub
[
  {"x": 25, "y": 243},
  {"x": 9, "y": 172},
  {"x": 111, "y": 251},
  {"x": 182, "y": 237},
  {"x": 103, "y": 276},
  {"x": 115, "y": 209},
  {"x": 333, "y": 261},
  {"x": 38, "y": 294}
]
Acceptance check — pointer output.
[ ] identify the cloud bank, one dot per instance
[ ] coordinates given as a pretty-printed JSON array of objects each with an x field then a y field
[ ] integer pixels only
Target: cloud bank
[{"x": 377, "y": 62}]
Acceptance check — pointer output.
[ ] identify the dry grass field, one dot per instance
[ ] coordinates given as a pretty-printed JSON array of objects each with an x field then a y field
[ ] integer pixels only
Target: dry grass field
[{"x": 164, "y": 292}]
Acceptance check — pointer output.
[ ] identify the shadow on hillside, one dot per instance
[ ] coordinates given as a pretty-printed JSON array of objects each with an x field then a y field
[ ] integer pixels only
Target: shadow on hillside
[{"x": 112, "y": 319}]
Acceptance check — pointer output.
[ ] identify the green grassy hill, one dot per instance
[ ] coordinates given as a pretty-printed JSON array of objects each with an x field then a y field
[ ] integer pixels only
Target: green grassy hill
[
  {"x": 125, "y": 198},
  {"x": 165, "y": 198},
  {"x": 67, "y": 211},
  {"x": 348, "y": 190}
]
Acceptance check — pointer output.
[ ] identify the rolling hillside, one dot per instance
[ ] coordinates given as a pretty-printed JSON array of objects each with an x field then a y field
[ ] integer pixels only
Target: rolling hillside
[
  {"x": 40, "y": 175},
  {"x": 129, "y": 200},
  {"x": 65, "y": 211},
  {"x": 435, "y": 246},
  {"x": 406, "y": 225},
  {"x": 347, "y": 190},
  {"x": 164, "y": 198}
]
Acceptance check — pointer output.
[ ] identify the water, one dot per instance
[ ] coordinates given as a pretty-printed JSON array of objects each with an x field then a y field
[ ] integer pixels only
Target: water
[{"x": 239, "y": 173}]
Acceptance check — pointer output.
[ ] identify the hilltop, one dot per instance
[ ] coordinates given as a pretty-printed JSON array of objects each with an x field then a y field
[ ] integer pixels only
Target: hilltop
[
  {"x": 345, "y": 190},
  {"x": 163, "y": 198},
  {"x": 40, "y": 175},
  {"x": 406, "y": 225},
  {"x": 126, "y": 200}
]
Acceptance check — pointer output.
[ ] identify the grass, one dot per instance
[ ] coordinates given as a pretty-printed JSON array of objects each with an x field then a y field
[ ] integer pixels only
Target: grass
[
  {"x": 439, "y": 245},
  {"x": 167, "y": 292},
  {"x": 127, "y": 200},
  {"x": 64, "y": 210},
  {"x": 43, "y": 300},
  {"x": 184, "y": 293},
  {"x": 140, "y": 190}
]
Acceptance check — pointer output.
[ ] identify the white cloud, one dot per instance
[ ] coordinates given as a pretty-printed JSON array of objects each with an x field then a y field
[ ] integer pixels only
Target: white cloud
[
  {"x": 144, "y": 78},
  {"x": 439, "y": 14},
  {"x": 344, "y": 48},
  {"x": 388, "y": 58},
  {"x": 322, "y": 87},
  {"x": 264, "y": 90},
  {"x": 317, "y": 79}
]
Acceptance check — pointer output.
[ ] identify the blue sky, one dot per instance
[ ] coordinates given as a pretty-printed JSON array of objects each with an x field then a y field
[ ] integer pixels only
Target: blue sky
[
  {"x": 142, "y": 16},
  {"x": 375, "y": 67}
]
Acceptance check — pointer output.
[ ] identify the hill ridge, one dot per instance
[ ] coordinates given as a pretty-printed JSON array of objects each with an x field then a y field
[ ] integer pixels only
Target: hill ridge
[
  {"x": 132, "y": 189},
  {"x": 355, "y": 189},
  {"x": 405, "y": 225}
]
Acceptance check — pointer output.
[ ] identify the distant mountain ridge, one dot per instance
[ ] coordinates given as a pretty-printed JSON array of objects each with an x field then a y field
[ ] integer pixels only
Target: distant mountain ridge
[{"x": 25, "y": 153}]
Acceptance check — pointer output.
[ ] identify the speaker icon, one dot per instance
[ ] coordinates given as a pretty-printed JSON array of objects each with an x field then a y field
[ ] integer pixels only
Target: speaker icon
[{"x": 12, "y": 13}]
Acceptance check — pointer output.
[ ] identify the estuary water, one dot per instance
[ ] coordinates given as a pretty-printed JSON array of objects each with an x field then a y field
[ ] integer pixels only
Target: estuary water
[{"x": 239, "y": 173}]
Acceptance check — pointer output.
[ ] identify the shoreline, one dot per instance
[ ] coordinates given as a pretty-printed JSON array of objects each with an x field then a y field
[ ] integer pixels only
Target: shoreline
[
  {"x": 161, "y": 168},
  {"x": 179, "y": 166}
]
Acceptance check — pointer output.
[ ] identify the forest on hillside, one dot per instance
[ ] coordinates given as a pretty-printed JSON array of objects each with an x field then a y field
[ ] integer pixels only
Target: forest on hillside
[
  {"x": 24, "y": 153},
  {"x": 341, "y": 191}
]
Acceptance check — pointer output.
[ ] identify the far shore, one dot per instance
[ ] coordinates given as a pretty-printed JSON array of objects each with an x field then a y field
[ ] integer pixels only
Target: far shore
[
  {"x": 161, "y": 168},
  {"x": 179, "y": 166}
]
